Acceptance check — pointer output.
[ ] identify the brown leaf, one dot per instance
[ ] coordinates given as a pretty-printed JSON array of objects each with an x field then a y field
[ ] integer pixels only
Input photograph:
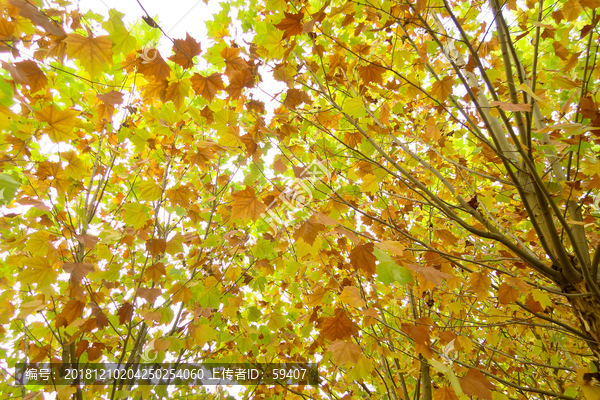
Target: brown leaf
[
  {"x": 149, "y": 294},
  {"x": 309, "y": 230},
  {"x": 511, "y": 107},
  {"x": 560, "y": 50},
  {"x": 28, "y": 11},
  {"x": 155, "y": 271},
  {"x": 534, "y": 305},
  {"x": 36, "y": 79},
  {"x": 101, "y": 319},
  {"x": 295, "y": 97},
  {"x": 156, "y": 246},
  {"x": 89, "y": 241},
  {"x": 419, "y": 334},
  {"x": 371, "y": 73},
  {"x": 78, "y": 271},
  {"x": 125, "y": 312},
  {"x": 238, "y": 80},
  {"x": 474, "y": 383},
  {"x": 429, "y": 273},
  {"x": 111, "y": 98},
  {"x": 291, "y": 25},
  {"x": 185, "y": 50},
  {"x": 246, "y": 205},
  {"x": 361, "y": 257},
  {"x": 233, "y": 61},
  {"x": 344, "y": 352},
  {"x": 339, "y": 327},
  {"x": 157, "y": 67}
]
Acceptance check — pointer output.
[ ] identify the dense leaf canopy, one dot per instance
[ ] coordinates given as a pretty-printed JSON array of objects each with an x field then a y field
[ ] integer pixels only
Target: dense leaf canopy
[{"x": 405, "y": 193}]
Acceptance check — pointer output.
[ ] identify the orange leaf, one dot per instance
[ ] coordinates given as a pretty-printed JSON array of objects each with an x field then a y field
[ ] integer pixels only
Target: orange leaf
[
  {"x": 444, "y": 393},
  {"x": 181, "y": 293},
  {"x": 442, "y": 89},
  {"x": 291, "y": 25},
  {"x": 155, "y": 271},
  {"x": 339, "y": 327},
  {"x": 28, "y": 11},
  {"x": 560, "y": 50},
  {"x": 511, "y": 107},
  {"x": 246, "y": 205},
  {"x": 185, "y": 50},
  {"x": 73, "y": 310},
  {"x": 507, "y": 294},
  {"x": 344, "y": 352},
  {"x": 361, "y": 257},
  {"x": 308, "y": 231},
  {"x": 430, "y": 273},
  {"x": 476, "y": 384},
  {"x": 111, "y": 98}
]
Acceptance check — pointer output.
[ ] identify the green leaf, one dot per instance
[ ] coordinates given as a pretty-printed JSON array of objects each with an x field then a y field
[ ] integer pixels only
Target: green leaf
[{"x": 388, "y": 271}]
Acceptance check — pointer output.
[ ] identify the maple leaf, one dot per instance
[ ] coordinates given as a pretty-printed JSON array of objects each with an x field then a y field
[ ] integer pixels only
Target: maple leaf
[
  {"x": 28, "y": 11},
  {"x": 177, "y": 92},
  {"x": 73, "y": 310},
  {"x": 474, "y": 383},
  {"x": 316, "y": 297},
  {"x": 185, "y": 50},
  {"x": 291, "y": 25},
  {"x": 362, "y": 258},
  {"x": 238, "y": 80},
  {"x": 371, "y": 73},
  {"x": 125, "y": 313},
  {"x": 246, "y": 205},
  {"x": 61, "y": 123},
  {"x": 344, "y": 352},
  {"x": 155, "y": 271},
  {"x": 444, "y": 393},
  {"x": 180, "y": 293},
  {"x": 78, "y": 271},
  {"x": 233, "y": 61},
  {"x": 507, "y": 294},
  {"x": 39, "y": 270},
  {"x": 149, "y": 294},
  {"x": 308, "y": 231},
  {"x": 111, "y": 98},
  {"x": 156, "y": 67},
  {"x": 430, "y": 273},
  {"x": 351, "y": 296},
  {"x": 339, "y": 327},
  {"x": 480, "y": 284},
  {"x": 101, "y": 319},
  {"x": 135, "y": 214},
  {"x": 511, "y": 107},
  {"x": 89, "y": 241},
  {"x": 443, "y": 88},
  {"x": 207, "y": 87},
  {"x": 92, "y": 52},
  {"x": 36, "y": 79}
]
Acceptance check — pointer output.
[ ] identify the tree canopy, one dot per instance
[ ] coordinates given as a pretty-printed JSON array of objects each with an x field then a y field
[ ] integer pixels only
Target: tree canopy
[{"x": 406, "y": 193}]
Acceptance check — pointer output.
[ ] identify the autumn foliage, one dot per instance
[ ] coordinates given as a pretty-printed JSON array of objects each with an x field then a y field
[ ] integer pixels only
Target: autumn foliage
[{"x": 164, "y": 199}]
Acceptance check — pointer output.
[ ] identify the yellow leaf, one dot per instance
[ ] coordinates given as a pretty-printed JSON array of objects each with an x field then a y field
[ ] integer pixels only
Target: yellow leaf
[
  {"x": 38, "y": 270},
  {"x": 351, "y": 296},
  {"x": 180, "y": 293},
  {"x": 392, "y": 246},
  {"x": 315, "y": 298},
  {"x": 61, "y": 123},
  {"x": 38, "y": 244},
  {"x": 507, "y": 294},
  {"x": 75, "y": 169},
  {"x": 480, "y": 284},
  {"x": 177, "y": 92},
  {"x": 344, "y": 352},
  {"x": 149, "y": 190},
  {"x": 93, "y": 53}
]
